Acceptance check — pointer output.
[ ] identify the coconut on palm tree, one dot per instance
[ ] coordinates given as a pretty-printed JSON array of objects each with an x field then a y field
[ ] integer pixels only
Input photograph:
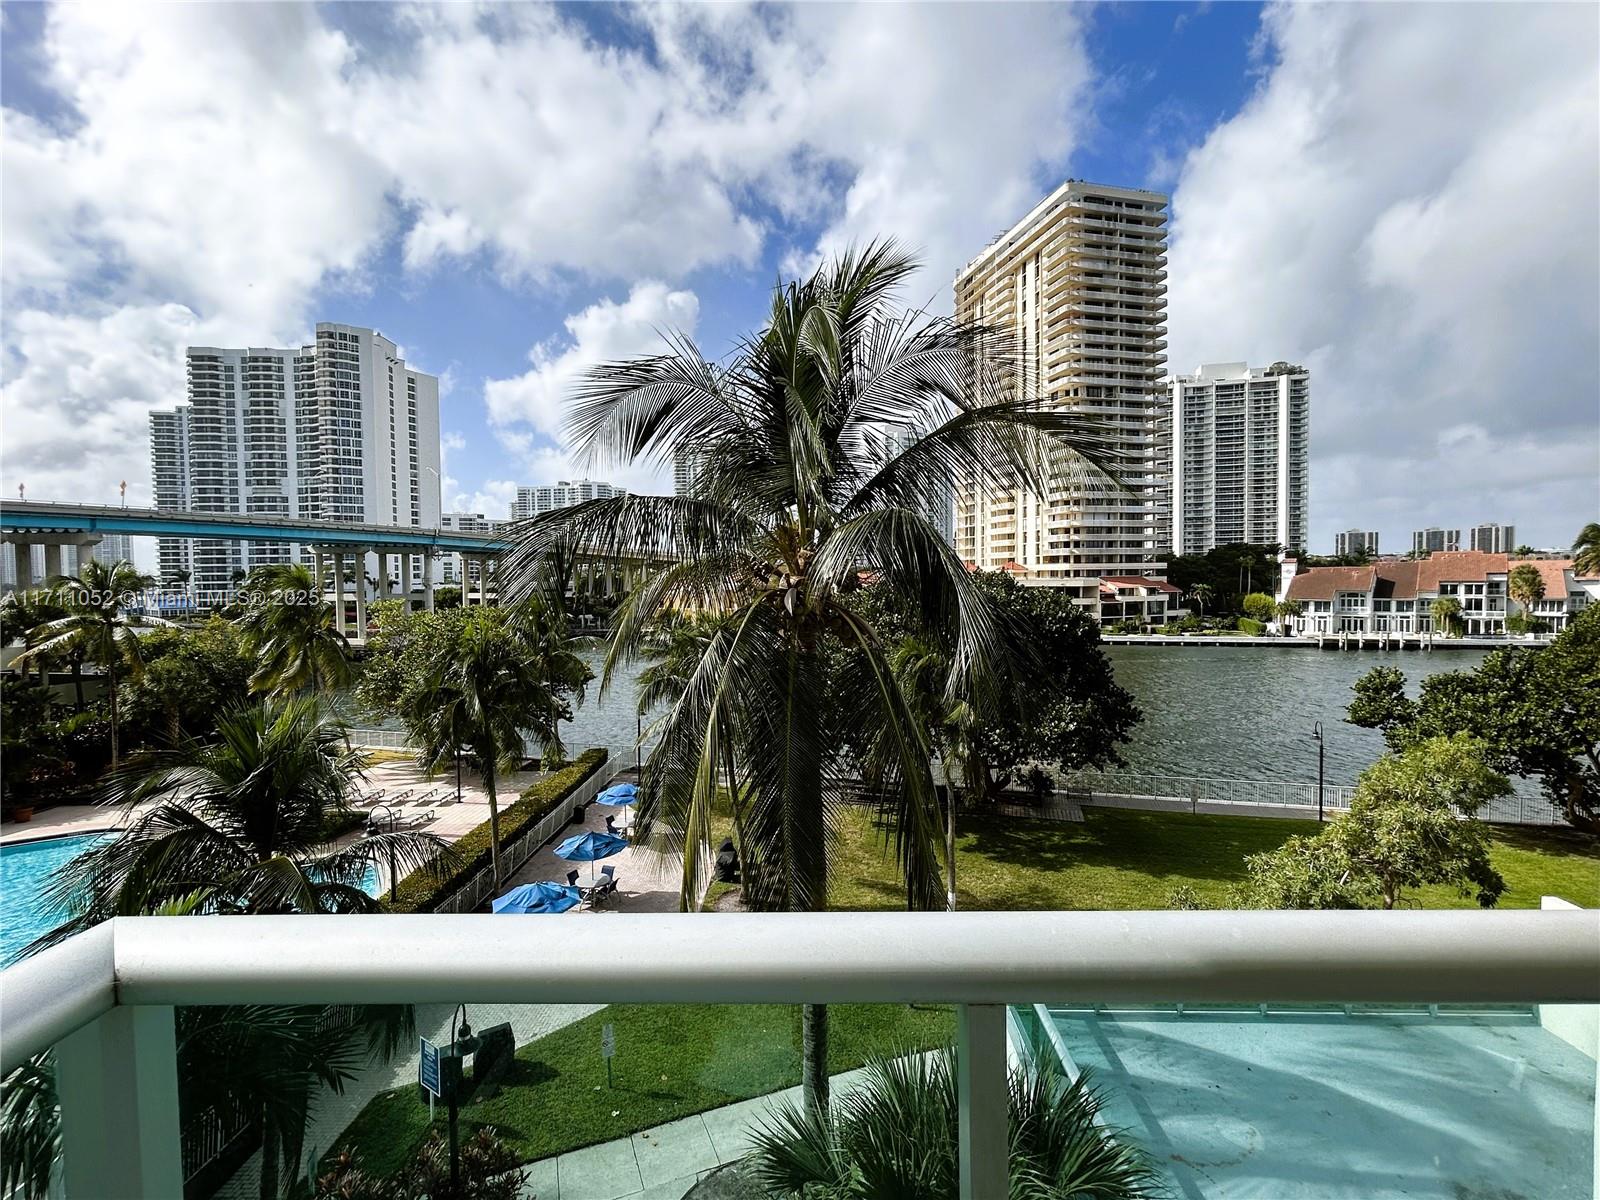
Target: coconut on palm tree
[
  {"x": 1586, "y": 551},
  {"x": 827, "y": 435},
  {"x": 292, "y": 632},
  {"x": 98, "y": 625}
]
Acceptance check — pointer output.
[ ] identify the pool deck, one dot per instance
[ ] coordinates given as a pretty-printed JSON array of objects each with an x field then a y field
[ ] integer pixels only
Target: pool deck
[{"x": 1294, "y": 1106}]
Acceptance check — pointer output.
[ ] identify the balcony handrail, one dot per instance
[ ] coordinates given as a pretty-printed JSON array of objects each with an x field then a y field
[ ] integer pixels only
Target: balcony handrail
[{"x": 961, "y": 958}]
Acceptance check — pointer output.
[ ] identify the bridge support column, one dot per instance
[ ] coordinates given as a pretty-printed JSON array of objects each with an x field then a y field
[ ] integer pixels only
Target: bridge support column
[
  {"x": 52, "y": 560},
  {"x": 427, "y": 579},
  {"x": 361, "y": 594},
  {"x": 316, "y": 571},
  {"x": 383, "y": 575},
  {"x": 342, "y": 623},
  {"x": 22, "y": 559}
]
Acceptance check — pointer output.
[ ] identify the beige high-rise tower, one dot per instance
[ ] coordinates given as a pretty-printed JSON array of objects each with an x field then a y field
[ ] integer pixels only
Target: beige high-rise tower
[{"x": 1080, "y": 283}]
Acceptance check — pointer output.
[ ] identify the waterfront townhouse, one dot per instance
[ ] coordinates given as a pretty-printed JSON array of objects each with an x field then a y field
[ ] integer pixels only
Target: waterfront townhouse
[
  {"x": 1396, "y": 597},
  {"x": 1138, "y": 598}
]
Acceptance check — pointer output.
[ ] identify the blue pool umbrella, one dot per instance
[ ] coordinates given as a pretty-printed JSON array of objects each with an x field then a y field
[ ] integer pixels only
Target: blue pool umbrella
[
  {"x": 536, "y": 898},
  {"x": 588, "y": 847},
  {"x": 619, "y": 795}
]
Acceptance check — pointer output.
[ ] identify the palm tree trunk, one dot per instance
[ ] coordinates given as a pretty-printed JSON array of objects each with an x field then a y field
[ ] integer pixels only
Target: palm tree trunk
[
  {"x": 77, "y": 681},
  {"x": 494, "y": 824},
  {"x": 271, "y": 1151},
  {"x": 814, "y": 1056},
  {"x": 111, "y": 677}
]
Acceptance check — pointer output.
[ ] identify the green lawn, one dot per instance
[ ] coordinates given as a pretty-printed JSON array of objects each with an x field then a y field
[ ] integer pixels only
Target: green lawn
[
  {"x": 671, "y": 1061},
  {"x": 1121, "y": 858}
]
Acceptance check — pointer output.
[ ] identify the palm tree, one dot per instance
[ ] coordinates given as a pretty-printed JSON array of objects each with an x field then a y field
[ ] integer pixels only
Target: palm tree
[
  {"x": 1287, "y": 610},
  {"x": 292, "y": 632},
  {"x": 556, "y": 654},
  {"x": 1446, "y": 613},
  {"x": 97, "y": 625},
  {"x": 1202, "y": 594},
  {"x": 1526, "y": 586},
  {"x": 1586, "y": 551},
  {"x": 895, "y": 1134},
  {"x": 239, "y": 822},
  {"x": 481, "y": 688},
  {"x": 831, "y": 431}
]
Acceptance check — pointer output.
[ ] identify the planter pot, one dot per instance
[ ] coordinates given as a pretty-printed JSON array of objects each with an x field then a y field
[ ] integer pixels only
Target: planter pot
[{"x": 22, "y": 814}]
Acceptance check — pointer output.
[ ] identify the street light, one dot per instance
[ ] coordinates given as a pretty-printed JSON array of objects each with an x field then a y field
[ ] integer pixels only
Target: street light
[
  {"x": 462, "y": 1043},
  {"x": 1316, "y": 732}
]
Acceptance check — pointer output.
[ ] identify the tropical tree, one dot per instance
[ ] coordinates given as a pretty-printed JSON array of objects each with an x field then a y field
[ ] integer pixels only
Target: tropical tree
[
  {"x": 1526, "y": 586},
  {"x": 1586, "y": 551},
  {"x": 30, "y": 1129},
  {"x": 1446, "y": 614},
  {"x": 1287, "y": 610},
  {"x": 896, "y": 1134},
  {"x": 832, "y": 430},
  {"x": 476, "y": 682},
  {"x": 241, "y": 821},
  {"x": 1536, "y": 710},
  {"x": 189, "y": 678},
  {"x": 556, "y": 654},
  {"x": 1259, "y": 606},
  {"x": 1201, "y": 594},
  {"x": 292, "y": 632},
  {"x": 98, "y": 625},
  {"x": 1410, "y": 824}
]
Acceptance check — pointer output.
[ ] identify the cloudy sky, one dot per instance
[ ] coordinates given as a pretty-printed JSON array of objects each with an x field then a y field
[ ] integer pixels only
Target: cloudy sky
[{"x": 1404, "y": 197}]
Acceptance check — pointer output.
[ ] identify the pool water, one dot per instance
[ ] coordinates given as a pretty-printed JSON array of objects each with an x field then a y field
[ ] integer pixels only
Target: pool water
[{"x": 27, "y": 869}]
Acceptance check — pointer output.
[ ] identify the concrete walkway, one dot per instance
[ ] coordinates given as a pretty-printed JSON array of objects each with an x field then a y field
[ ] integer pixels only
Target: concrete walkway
[{"x": 661, "y": 1163}]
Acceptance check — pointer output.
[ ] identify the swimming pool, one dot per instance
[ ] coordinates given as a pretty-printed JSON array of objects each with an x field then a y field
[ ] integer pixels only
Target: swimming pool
[{"x": 27, "y": 868}]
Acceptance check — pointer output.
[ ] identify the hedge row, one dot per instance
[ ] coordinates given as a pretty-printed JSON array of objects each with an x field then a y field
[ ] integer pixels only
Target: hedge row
[
  {"x": 1251, "y": 627},
  {"x": 422, "y": 890}
]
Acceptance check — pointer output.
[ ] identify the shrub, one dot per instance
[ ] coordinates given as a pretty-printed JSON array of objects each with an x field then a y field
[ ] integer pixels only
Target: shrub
[
  {"x": 1253, "y": 628},
  {"x": 422, "y": 890}
]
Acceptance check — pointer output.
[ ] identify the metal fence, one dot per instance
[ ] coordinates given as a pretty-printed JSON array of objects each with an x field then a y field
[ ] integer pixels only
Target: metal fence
[
  {"x": 1193, "y": 790},
  {"x": 380, "y": 739},
  {"x": 513, "y": 855}
]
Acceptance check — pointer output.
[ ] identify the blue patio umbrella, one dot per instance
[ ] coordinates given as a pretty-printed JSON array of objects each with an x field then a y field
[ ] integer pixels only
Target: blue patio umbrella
[
  {"x": 536, "y": 898},
  {"x": 588, "y": 847},
  {"x": 618, "y": 795}
]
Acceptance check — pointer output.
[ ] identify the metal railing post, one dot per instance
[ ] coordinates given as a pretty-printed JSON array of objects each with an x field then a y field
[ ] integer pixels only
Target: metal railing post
[
  {"x": 117, "y": 1078},
  {"x": 985, "y": 1108}
]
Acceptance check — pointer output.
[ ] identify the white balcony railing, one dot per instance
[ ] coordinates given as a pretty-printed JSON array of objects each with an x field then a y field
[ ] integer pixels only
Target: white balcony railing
[{"x": 104, "y": 999}]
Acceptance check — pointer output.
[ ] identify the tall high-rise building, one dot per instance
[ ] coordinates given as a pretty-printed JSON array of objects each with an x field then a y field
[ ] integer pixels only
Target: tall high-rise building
[
  {"x": 1078, "y": 284},
  {"x": 169, "y": 468},
  {"x": 1356, "y": 542},
  {"x": 340, "y": 430},
  {"x": 1433, "y": 540},
  {"x": 531, "y": 501},
  {"x": 686, "y": 467},
  {"x": 1494, "y": 539},
  {"x": 1234, "y": 450},
  {"x": 112, "y": 548}
]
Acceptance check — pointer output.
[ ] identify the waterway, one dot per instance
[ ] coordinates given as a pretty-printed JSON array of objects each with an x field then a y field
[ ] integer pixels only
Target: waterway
[{"x": 1233, "y": 712}]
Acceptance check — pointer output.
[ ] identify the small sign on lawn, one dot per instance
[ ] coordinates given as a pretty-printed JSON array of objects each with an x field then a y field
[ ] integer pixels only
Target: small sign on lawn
[
  {"x": 428, "y": 1068},
  {"x": 608, "y": 1047}
]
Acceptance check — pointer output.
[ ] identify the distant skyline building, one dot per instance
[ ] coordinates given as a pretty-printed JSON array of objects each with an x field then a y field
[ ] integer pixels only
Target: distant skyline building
[
  {"x": 340, "y": 430},
  {"x": 1492, "y": 538},
  {"x": 1079, "y": 284},
  {"x": 112, "y": 548},
  {"x": 1356, "y": 542},
  {"x": 1234, "y": 448},
  {"x": 543, "y": 498},
  {"x": 1434, "y": 540},
  {"x": 456, "y": 568}
]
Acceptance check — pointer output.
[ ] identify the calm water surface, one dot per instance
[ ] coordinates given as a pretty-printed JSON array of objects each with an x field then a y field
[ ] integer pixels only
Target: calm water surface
[{"x": 1234, "y": 713}]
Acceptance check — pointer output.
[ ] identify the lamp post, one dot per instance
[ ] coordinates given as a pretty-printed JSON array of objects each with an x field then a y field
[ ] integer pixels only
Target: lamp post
[
  {"x": 461, "y": 1045},
  {"x": 1316, "y": 732}
]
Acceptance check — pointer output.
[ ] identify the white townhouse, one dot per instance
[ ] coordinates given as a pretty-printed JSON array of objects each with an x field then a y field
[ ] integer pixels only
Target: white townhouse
[{"x": 1396, "y": 597}]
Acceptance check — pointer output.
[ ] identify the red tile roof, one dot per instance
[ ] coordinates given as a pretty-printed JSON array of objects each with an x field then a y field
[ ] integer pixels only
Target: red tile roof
[
  {"x": 1127, "y": 581},
  {"x": 1320, "y": 583},
  {"x": 1554, "y": 573},
  {"x": 1014, "y": 567},
  {"x": 1399, "y": 580}
]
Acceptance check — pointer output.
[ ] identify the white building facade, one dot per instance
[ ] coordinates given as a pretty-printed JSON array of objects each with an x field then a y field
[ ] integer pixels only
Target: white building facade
[
  {"x": 531, "y": 501},
  {"x": 340, "y": 430},
  {"x": 457, "y": 569},
  {"x": 1235, "y": 449},
  {"x": 1079, "y": 283}
]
